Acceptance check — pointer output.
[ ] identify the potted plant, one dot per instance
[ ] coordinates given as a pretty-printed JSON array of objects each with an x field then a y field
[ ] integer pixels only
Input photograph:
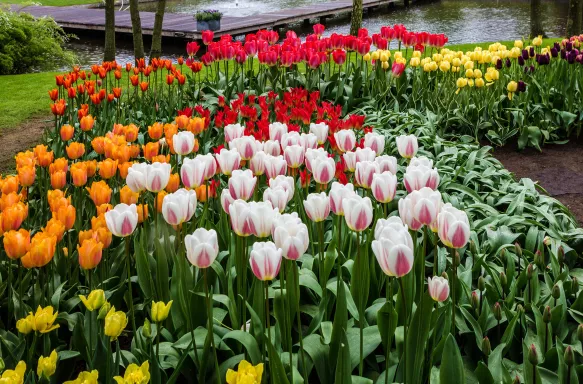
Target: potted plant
[{"x": 208, "y": 19}]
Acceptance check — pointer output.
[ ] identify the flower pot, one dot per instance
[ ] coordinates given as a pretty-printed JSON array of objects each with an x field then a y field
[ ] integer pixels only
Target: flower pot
[{"x": 212, "y": 25}]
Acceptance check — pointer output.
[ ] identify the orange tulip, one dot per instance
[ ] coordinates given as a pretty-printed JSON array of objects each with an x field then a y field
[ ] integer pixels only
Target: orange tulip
[
  {"x": 98, "y": 222},
  {"x": 25, "y": 159},
  {"x": 201, "y": 193},
  {"x": 151, "y": 150},
  {"x": 66, "y": 215},
  {"x": 144, "y": 86},
  {"x": 56, "y": 228},
  {"x": 170, "y": 130},
  {"x": 104, "y": 236},
  {"x": 142, "y": 212},
  {"x": 16, "y": 243},
  {"x": 123, "y": 169},
  {"x": 43, "y": 157},
  {"x": 131, "y": 133},
  {"x": 10, "y": 184},
  {"x": 155, "y": 131},
  {"x": 90, "y": 253},
  {"x": 67, "y": 132},
  {"x": 107, "y": 168},
  {"x": 135, "y": 80},
  {"x": 58, "y": 107},
  {"x": 173, "y": 183},
  {"x": 116, "y": 92},
  {"x": 60, "y": 164},
  {"x": 86, "y": 235},
  {"x": 121, "y": 153},
  {"x": 104, "y": 208},
  {"x": 118, "y": 129},
  {"x": 98, "y": 145},
  {"x": 169, "y": 79},
  {"x": 159, "y": 200},
  {"x": 58, "y": 179},
  {"x": 182, "y": 121},
  {"x": 26, "y": 175},
  {"x": 75, "y": 150},
  {"x": 196, "y": 124},
  {"x": 91, "y": 167},
  {"x": 99, "y": 192},
  {"x": 134, "y": 151},
  {"x": 8, "y": 200},
  {"x": 87, "y": 123},
  {"x": 54, "y": 94},
  {"x": 126, "y": 196},
  {"x": 42, "y": 250},
  {"x": 56, "y": 199},
  {"x": 79, "y": 174},
  {"x": 161, "y": 159}
]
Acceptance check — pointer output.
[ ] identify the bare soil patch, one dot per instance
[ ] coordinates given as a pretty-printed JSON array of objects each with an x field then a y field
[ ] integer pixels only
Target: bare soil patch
[
  {"x": 21, "y": 138},
  {"x": 558, "y": 169}
]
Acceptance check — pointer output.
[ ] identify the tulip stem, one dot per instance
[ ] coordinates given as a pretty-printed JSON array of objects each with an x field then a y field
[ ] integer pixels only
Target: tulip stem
[
  {"x": 297, "y": 279},
  {"x": 360, "y": 313},
  {"x": 321, "y": 266},
  {"x": 267, "y": 317},
  {"x": 210, "y": 326},
  {"x": 128, "y": 271},
  {"x": 389, "y": 336},
  {"x": 404, "y": 331},
  {"x": 453, "y": 284}
]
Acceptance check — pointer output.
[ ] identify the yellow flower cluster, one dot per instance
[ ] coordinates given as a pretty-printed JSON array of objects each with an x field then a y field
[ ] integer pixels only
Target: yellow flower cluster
[
  {"x": 41, "y": 321},
  {"x": 115, "y": 323},
  {"x": 246, "y": 374},
  {"x": 14, "y": 376},
  {"x": 47, "y": 365},
  {"x": 85, "y": 378},
  {"x": 135, "y": 374}
]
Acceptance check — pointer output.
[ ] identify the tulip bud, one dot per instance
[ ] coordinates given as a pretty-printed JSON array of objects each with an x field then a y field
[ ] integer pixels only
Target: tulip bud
[
  {"x": 516, "y": 380},
  {"x": 497, "y": 311},
  {"x": 503, "y": 279},
  {"x": 529, "y": 271},
  {"x": 574, "y": 285},
  {"x": 473, "y": 248},
  {"x": 147, "y": 329},
  {"x": 569, "y": 356},
  {"x": 481, "y": 284},
  {"x": 561, "y": 256},
  {"x": 533, "y": 355},
  {"x": 556, "y": 292},
  {"x": 539, "y": 259},
  {"x": 486, "y": 347},
  {"x": 580, "y": 333},
  {"x": 518, "y": 250},
  {"x": 520, "y": 309},
  {"x": 475, "y": 301},
  {"x": 547, "y": 316},
  {"x": 103, "y": 310},
  {"x": 444, "y": 275},
  {"x": 456, "y": 259}
]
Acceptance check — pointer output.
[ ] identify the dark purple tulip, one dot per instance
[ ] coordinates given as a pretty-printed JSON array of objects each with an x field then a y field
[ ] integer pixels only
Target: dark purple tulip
[
  {"x": 571, "y": 57},
  {"x": 569, "y": 46},
  {"x": 520, "y": 61},
  {"x": 525, "y": 55},
  {"x": 537, "y": 58},
  {"x": 521, "y": 86},
  {"x": 526, "y": 69},
  {"x": 508, "y": 63},
  {"x": 554, "y": 52},
  {"x": 563, "y": 54},
  {"x": 531, "y": 52},
  {"x": 557, "y": 46},
  {"x": 499, "y": 64}
]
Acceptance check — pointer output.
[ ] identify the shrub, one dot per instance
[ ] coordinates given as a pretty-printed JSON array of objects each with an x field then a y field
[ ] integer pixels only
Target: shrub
[
  {"x": 28, "y": 44},
  {"x": 208, "y": 15}
]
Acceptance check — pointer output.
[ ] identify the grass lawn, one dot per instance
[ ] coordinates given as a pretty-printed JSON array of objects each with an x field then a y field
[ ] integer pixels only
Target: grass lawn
[
  {"x": 26, "y": 96},
  {"x": 54, "y": 3}
]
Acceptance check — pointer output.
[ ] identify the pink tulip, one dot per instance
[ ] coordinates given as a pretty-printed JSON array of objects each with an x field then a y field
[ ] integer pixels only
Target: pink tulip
[
  {"x": 339, "y": 193},
  {"x": 276, "y": 131},
  {"x": 136, "y": 178},
  {"x": 202, "y": 247},
  {"x": 294, "y": 155},
  {"x": 323, "y": 169},
  {"x": 317, "y": 206},
  {"x": 261, "y": 216},
  {"x": 278, "y": 197},
  {"x": 122, "y": 220},
  {"x": 320, "y": 130},
  {"x": 387, "y": 163},
  {"x": 239, "y": 211},
  {"x": 438, "y": 288},
  {"x": 453, "y": 227},
  {"x": 394, "y": 250},
  {"x": 391, "y": 224},
  {"x": 384, "y": 186},
  {"x": 291, "y": 235},
  {"x": 179, "y": 206},
  {"x": 265, "y": 260},
  {"x": 397, "y": 69},
  {"x": 226, "y": 200},
  {"x": 285, "y": 182},
  {"x": 375, "y": 142},
  {"x": 357, "y": 212},
  {"x": 272, "y": 148},
  {"x": 407, "y": 146},
  {"x": 192, "y": 172},
  {"x": 245, "y": 145},
  {"x": 233, "y": 131},
  {"x": 350, "y": 160},
  {"x": 419, "y": 174},
  {"x": 364, "y": 173},
  {"x": 309, "y": 140},
  {"x": 242, "y": 184},
  {"x": 257, "y": 163},
  {"x": 345, "y": 139},
  {"x": 290, "y": 138},
  {"x": 275, "y": 166},
  {"x": 365, "y": 154},
  {"x": 228, "y": 160},
  {"x": 183, "y": 142},
  {"x": 157, "y": 176}
]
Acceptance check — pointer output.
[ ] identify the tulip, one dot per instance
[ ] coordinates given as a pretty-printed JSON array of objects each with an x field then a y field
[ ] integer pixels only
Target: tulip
[
  {"x": 277, "y": 130},
  {"x": 245, "y": 145},
  {"x": 364, "y": 173},
  {"x": 278, "y": 197},
  {"x": 265, "y": 260},
  {"x": 291, "y": 235},
  {"x": 183, "y": 142},
  {"x": 419, "y": 174},
  {"x": 312, "y": 154},
  {"x": 290, "y": 138},
  {"x": 13, "y": 216},
  {"x": 24, "y": 325},
  {"x": 108, "y": 168},
  {"x": 202, "y": 247},
  {"x": 47, "y": 365},
  {"x": 233, "y": 131},
  {"x": 135, "y": 374},
  {"x": 89, "y": 253},
  {"x": 272, "y": 148},
  {"x": 43, "y": 319},
  {"x": 192, "y": 172},
  {"x": 58, "y": 179},
  {"x": 86, "y": 123},
  {"x": 228, "y": 160},
  {"x": 323, "y": 169},
  {"x": 239, "y": 211},
  {"x": 420, "y": 208},
  {"x": 42, "y": 250},
  {"x": 16, "y": 243},
  {"x": 226, "y": 200},
  {"x": 294, "y": 155},
  {"x": 407, "y": 146},
  {"x": 384, "y": 186},
  {"x": 122, "y": 220},
  {"x": 260, "y": 217},
  {"x": 394, "y": 250},
  {"x": 375, "y": 142},
  {"x": 67, "y": 132},
  {"x": 321, "y": 132},
  {"x": 173, "y": 183},
  {"x": 246, "y": 373},
  {"x": 26, "y": 175},
  {"x": 79, "y": 174},
  {"x": 115, "y": 323},
  {"x": 242, "y": 184},
  {"x": 286, "y": 182},
  {"x": 94, "y": 300},
  {"x": 438, "y": 288},
  {"x": 179, "y": 207},
  {"x": 453, "y": 227},
  {"x": 17, "y": 374},
  {"x": 365, "y": 154},
  {"x": 85, "y": 377},
  {"x": 157, "y": 176},
  {"x": 345, "y": 139},
  {"x": 317, "y": 206},
  {"x": 338, "y": 193},
  {"x": 75, "y": 150},
  {"x": 308, "y": 140},
  {"x": 387, "y": 163},
  {"x": 358, "y": 212},
  {"x": 350, "y": 160},
  {"x": 160, "y": 311}
]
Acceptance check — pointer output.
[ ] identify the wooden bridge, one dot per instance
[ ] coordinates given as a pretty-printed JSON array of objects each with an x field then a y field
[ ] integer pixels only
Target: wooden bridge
[{"x": 184, "y": 25}]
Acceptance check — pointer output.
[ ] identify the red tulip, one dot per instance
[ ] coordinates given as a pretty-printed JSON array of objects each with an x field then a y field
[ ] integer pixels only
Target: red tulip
[
  {"x": 339, "y": 56},
  {"x": 398, "y": 69},
  {"x": 319, "y": 29},
  {"x": 192, "y": 48},
  {"x": 207, "y": 37}
]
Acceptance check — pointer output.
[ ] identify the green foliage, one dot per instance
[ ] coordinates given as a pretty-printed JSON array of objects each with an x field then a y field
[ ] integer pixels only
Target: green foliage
[
  {"x": 28, "y": 44},
  {"x": 208, "y": 15}
]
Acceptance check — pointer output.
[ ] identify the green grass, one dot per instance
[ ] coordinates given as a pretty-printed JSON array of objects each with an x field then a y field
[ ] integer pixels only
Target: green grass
[{"x": 54, "y": 3}]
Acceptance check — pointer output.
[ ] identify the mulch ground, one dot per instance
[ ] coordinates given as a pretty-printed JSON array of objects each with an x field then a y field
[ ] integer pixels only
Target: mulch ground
[
  {"x": 22, "y": 138},
  {"x": 558, "y": 169}
]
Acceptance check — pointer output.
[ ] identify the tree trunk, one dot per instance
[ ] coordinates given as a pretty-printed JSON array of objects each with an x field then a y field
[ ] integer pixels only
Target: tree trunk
[
  {"x": 356, "y": 19},
  {"x": 574, "y": 19},
  {"x": 136, "y": 30},
  {"x": 156, "y": 50},
  {"x": 109, "y": 51},
  {"x": 536, "y": 14}
]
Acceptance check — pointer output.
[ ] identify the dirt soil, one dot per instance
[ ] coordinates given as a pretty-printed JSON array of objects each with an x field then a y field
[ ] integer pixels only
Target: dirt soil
[
  {"x": 25, "y": 137},
  {"x": 558, "y": 169}
]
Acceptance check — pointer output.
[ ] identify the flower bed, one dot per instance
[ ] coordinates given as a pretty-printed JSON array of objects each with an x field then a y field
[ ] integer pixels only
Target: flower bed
[{"x": 172, "y": 233}]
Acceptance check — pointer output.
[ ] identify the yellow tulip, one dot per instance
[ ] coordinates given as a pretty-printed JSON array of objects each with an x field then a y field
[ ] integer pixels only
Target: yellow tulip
[
  {"x": 417, "y": 54},
  {"x": 103, "y": 311},
  {"x": 469, "y": 65},
  {"x": 85, "y": 378},
  {"x": 479, "y": 82},
  {"x": 414, "y": 62},
  {"x": 469, "y": 73},
  {"x": 384, "y": 57},
  {"x": 43, "y": 320},
  {"x": 246, "y": 374},
  {"x": 398, "y": 55},
  {"x": 375, "y": 55},
  {"x": 444, "y": 66},
  {"x": 24, "y": 325},
  {"x": 456, "y": 62},
  {"x": 512, "y": 86},
  {"x": 14, "y": 376},
  {"x": 401, "y": 60},
  {"x": 385, "y": 65},
  {"x": 160, "y": 311},
  {"x": 94, "y": 300},
  {"x": 537, "y": 41},
  {"x": 135, "y": 374},
  {"x": 47, "y": 365},
  {"x": 477, "y": 74},
  {"x": 366, "y": 57},
  {"x": 115, "y": 323}
]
